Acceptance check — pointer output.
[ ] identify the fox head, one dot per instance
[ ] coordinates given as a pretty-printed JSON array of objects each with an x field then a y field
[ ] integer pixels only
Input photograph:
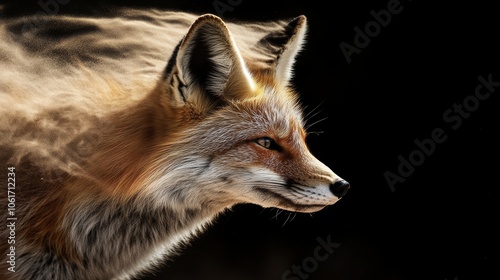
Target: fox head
[{"x": 236, "y": 130}]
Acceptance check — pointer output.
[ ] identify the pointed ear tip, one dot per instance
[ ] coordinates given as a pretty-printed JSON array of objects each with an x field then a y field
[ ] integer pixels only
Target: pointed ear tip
[
  {"x": 300, "y": 20},
  {"x": 208, "y": 18},
  {"x": 298, "y": 23}
]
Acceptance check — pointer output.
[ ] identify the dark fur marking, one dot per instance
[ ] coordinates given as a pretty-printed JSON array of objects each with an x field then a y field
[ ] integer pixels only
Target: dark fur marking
[
  {"x": 171, "y": 61},
  {"x": 274, "y": 42},
  {"x": 206, "y": 166},
  {"x": 290, "y": 183},
  {"x": 226, "y": 178}
]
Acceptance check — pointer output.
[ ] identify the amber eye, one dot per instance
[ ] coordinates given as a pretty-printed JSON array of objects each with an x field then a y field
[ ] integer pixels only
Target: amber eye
[{"x": 268, "y": 143}]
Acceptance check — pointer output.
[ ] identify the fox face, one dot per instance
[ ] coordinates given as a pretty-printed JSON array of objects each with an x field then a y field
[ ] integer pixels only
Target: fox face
[{"x": 245, "y": 130}]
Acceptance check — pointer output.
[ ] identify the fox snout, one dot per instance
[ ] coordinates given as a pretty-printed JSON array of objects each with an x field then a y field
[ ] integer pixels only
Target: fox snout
[{"x": 316, "y": 185}]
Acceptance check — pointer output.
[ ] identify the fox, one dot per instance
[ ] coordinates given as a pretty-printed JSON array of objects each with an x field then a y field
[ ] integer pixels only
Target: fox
[{"x": 124, "y": 137}]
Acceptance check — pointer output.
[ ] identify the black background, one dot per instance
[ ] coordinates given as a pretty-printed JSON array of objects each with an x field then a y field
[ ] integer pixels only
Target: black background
[{"x": 439, "y": 222}]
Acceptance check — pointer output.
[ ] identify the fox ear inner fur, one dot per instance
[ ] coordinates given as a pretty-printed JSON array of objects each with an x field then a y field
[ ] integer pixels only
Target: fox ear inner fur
[{"x": 208, "y": 65}]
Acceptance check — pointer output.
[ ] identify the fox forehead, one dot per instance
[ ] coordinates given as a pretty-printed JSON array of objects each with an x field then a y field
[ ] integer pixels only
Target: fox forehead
[
  {"x": 275, "y": 111},
  {"x": 269, "y": 113}
]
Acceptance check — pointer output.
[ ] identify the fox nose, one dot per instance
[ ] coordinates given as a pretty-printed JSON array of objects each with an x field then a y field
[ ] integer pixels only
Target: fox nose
[{"x": 340, "y": 188}]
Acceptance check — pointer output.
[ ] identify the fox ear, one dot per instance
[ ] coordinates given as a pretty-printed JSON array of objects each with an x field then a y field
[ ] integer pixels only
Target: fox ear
[
  {"x": 285, "y": 44},
  {"x": 208, "y": 65}
]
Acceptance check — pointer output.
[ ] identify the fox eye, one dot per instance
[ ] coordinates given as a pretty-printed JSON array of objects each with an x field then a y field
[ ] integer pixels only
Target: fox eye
[{"x": 268, "y": 143}]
